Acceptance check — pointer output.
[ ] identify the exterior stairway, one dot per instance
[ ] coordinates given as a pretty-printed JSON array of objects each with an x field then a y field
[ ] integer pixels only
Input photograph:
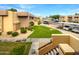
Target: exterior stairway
[{"x": 55, "y": 51}]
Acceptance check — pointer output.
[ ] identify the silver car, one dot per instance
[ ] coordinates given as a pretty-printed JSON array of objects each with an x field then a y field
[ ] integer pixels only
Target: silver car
[{"x": 75, "y": 29}]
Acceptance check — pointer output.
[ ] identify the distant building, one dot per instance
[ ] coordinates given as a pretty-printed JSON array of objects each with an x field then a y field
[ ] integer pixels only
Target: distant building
[{"x": 70, "y": 18}]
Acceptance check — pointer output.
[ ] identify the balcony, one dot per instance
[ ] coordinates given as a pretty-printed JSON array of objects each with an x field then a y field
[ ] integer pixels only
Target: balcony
[{"x": 61, "y": 44}]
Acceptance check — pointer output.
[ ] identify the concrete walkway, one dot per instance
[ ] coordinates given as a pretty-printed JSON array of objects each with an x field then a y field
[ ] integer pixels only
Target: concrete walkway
[
  {"x": 36, "y": 43},
  {"x": 19, "y": 37}
]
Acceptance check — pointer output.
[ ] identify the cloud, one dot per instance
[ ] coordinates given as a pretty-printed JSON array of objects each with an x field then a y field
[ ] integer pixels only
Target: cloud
[
  {"x": 19, "y": 7},
  {"x": 37, "y": 14},
  {"x": 24, "y": 7},
  {"x": 75, "y": 10},
  {"x": 4, "y": 7}
]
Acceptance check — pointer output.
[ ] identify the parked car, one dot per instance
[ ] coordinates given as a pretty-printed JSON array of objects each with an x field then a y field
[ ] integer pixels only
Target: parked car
[
  {"x": 45, "y": 22},
  {"x": 66, "y": 27},
  {"x": 75, "y": 29}
]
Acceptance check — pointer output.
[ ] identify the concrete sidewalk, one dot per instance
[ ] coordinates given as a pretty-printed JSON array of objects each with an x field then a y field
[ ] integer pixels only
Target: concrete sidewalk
[{"x": 36, "y": 43}]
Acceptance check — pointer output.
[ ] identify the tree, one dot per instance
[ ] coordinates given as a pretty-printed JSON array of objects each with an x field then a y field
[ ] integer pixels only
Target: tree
[
  {"x": 54, "y": 16},
  {"x": 12, "y": 9}
]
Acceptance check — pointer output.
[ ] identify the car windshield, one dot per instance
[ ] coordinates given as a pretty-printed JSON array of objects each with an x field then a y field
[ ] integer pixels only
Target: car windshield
[{"x": 66, "y": 26}]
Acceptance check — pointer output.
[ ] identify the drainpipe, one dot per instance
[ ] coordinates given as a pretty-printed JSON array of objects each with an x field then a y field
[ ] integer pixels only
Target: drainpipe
[{"x": 2, "y": 25}]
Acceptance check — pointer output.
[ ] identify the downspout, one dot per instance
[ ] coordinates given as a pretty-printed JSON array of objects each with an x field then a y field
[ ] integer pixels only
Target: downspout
[{"x": 2, "y": 25}]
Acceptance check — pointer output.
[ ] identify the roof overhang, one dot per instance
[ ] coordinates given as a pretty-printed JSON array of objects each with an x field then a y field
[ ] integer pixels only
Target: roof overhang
[{"x": 3, "y": 12}]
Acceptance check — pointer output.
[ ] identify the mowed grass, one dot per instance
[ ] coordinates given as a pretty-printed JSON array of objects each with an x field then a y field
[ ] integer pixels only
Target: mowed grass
[
  {"x": 14, "y": 48},
  {"x": 43, "y": 32}
]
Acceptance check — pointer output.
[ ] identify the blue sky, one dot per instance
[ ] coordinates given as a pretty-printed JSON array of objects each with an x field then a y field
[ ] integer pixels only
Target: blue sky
[{"x": 44, "y": 9}]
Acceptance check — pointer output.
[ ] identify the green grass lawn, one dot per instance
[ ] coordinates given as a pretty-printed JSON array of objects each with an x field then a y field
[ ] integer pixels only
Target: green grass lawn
[
  {"x": 43, "y": 32},
  {"x": 14, "y": 48}
]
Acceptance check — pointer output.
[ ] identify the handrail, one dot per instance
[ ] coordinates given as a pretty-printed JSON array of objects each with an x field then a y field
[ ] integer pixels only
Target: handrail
[{"x": 44, "y": 45}]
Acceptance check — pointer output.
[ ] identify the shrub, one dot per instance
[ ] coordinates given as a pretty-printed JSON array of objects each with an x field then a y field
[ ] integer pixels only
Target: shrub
[
  {"x": 15, "y": 34},
  {"x": 0, "y": 33},
  {"x": 30, "y": 28},
  {"x": 23, "y": 30},
  {"x": 9, "y": 32},
  {"x": 25, "y": 27},
  {"x": 31, "y": 23},
  {"x": 39, "y": 22},
  {"x": 18, "y": 50}
]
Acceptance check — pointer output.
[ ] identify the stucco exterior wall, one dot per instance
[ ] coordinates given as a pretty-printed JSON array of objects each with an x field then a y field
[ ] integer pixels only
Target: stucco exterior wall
[
  {"x": 24, "y": 21},
  {"x": 0, "y": 23},
  {"x": 16, "y": 22},
  {"x": 60, "y": 38},
  {"x": 74, "y": 42},
  {"x": 63, "y": 18},
  {"x": 8, "y": 22}
]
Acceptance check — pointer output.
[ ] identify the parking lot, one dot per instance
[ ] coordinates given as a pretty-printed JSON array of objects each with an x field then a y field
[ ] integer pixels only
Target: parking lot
[{"x": 62, "y": 30}]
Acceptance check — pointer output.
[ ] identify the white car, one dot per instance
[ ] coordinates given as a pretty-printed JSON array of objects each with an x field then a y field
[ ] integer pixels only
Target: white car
[
  {"x": 66, "y": 27},
  {"x": 75, "y": 29}
]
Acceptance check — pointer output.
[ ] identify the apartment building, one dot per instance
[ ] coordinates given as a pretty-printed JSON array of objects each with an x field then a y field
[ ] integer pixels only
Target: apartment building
[
  {"x": 12, "y": 20},
  {"x": 70, "y": 18}
]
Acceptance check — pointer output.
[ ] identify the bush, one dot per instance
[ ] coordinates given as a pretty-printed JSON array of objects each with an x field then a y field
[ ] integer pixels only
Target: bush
[
  {"x": 18, "y": 50},
  {"x": 31, "y": 23},
  {"x": 0, "y": 33},
  {"x": 15, "y": 34},
  {"x": 30, "y": 28},
  {"x": 23, "y": 30},
  {"x": 9, "y": 32},
  {"x": 39, "y": 22},
  {"x": 25, "y": 27}
]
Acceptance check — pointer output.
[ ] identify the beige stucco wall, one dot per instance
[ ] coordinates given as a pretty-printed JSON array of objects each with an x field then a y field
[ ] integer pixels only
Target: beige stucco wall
[
  {"x": 16, "y": 22},
  {"x": 63, "y": 18},
  {"x": 24, "y": 21},
  {"x": 8, "y": 22},
  {"x": 74, "y": 42},
  {"x": 0, "y": 23},
  {"x": 66, "y": 19},
  {"x": 60, "y": 38},
  {"x": 15, "y": 18},
  {"x": 70, "y": 39}
]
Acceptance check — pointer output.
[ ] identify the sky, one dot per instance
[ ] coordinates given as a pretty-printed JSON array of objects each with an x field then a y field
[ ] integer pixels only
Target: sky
[{"x": 44, "y": 9}]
